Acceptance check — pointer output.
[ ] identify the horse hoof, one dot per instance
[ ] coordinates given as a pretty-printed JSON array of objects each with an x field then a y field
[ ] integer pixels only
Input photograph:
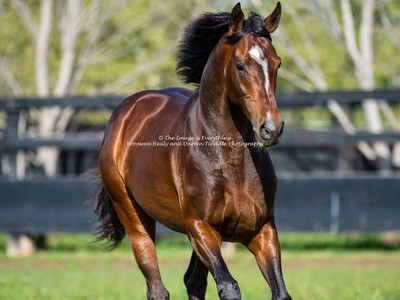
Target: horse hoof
[
  {"x": 229, "y": 291},
  {"x": 158, "y": 294}
]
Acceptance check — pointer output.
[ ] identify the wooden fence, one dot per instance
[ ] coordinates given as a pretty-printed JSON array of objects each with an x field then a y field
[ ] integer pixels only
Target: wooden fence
[{"x": 306, "y": 201}]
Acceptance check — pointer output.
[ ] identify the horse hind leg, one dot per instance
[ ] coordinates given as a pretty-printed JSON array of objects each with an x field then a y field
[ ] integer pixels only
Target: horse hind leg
[
  {"x": 196, "y": 278},
  {"x": 142, "y": 240},
  {"x": 140, "y": 230}
]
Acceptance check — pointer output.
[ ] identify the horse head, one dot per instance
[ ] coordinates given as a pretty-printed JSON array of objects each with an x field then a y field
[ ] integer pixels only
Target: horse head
[{"x": 251, "y": 71}]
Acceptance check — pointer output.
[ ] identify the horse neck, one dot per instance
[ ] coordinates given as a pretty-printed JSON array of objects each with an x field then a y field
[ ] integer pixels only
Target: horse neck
[
  {"x": 212, "y": 114},
  {"x": 218, "y": 116}
]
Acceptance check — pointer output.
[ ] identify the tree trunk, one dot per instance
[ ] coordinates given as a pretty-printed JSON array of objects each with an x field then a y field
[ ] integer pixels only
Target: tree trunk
[
  {"x": 362, "y": 57},
  {"x": 20, "y": 245},
  {"x": 49, "y": 126},
  {"x": 48, "y": 156}
]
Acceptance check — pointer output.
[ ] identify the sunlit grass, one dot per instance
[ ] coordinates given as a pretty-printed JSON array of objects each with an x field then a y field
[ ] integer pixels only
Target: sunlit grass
[{"x": 75, "y": 268}]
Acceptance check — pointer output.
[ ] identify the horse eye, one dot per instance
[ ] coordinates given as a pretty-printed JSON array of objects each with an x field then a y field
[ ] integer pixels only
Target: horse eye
[{"x": 240, "y": 67}]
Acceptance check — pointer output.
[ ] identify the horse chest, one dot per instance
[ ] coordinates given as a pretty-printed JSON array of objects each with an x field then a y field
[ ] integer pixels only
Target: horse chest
[
  {"x": 245, "y": 210},
  {"x": 237, "y": 205},
  {"x": 234, "y": 194}
]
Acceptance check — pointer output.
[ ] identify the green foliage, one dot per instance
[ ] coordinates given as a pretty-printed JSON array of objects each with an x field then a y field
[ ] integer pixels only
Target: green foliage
[
  {"x": 317, "y": 118},
  {"x": 96, "y": 117},
  {"x": 143, "y": 31},
  {"x": 353, "y": 241},
  {"x": 16, "y": 50},
  {"x": 289, "y": 241}
]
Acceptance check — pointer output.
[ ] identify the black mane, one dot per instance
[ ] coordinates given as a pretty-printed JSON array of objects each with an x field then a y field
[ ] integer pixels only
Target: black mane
[
  {"x": 202, "y": 35},
  {"x": 197, "y": 43}
]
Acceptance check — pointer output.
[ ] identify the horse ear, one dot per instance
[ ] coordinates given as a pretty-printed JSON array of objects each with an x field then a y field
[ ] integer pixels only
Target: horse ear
[
  {"x": 272, "y": 21},
  {"x": 236, "y": 19}
]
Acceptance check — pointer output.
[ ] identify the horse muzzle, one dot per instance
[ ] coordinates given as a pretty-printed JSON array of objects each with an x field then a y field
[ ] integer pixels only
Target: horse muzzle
[{"x": 270, "y": 132}]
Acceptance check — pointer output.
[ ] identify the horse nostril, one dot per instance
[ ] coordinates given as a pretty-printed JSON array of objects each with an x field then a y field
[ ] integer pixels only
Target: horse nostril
[
  {"x": 281, "y": 128},
  {"x": 265, "y": 133}
]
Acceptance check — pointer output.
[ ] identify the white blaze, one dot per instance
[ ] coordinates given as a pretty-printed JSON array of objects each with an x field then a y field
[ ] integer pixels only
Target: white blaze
[{"x": 257, "y": 54}]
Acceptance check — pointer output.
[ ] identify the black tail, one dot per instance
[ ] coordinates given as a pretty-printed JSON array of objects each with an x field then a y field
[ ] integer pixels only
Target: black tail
[{"x": 109, "y": 226}]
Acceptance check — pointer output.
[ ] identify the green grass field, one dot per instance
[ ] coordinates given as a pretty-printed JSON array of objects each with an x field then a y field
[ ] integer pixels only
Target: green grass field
[{"x": 315, "y": 267}]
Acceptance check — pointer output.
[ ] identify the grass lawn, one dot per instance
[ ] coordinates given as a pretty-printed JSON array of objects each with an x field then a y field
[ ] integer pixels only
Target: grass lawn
[{"x": 74, "y": 268}]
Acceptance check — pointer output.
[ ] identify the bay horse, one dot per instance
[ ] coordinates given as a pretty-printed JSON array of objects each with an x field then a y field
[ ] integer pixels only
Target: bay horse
[{"x": 195, "y": 161}]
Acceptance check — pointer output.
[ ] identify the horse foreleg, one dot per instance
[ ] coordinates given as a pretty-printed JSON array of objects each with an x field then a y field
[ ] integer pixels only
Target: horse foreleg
[
  {"x": 196, "y": 278},
  {"x": 206, "y": 243},
  {"x": 266, "y": 249}
]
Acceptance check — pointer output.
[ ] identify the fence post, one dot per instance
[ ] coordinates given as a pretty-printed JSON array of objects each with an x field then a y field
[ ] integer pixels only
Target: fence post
[
  {"x": 11, "y": 134},
  {"x": 18, "y": 244}
]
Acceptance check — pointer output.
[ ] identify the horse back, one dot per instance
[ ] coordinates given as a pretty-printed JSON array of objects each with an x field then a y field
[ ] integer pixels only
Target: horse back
[{"x": 143, "y": 115}]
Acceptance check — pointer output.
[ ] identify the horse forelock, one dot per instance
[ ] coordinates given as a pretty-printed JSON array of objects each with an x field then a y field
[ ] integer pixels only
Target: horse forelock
[{"x": 253, "y": 25}]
